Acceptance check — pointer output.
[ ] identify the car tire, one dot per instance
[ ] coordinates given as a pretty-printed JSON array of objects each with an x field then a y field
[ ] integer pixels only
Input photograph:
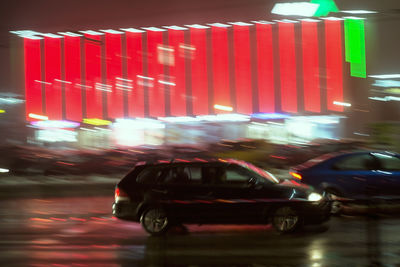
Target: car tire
[
  {"x": 285, "y": 219},
  {"x": 155, "y": 221},
  {"x": 336, "y": 205}
]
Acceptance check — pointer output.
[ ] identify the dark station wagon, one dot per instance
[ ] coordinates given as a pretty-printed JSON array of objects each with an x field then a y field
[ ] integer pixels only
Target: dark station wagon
[{"x": 217, "y": 191}]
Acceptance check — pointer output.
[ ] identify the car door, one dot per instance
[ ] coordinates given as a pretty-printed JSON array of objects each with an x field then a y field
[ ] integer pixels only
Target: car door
[
  {"x": 388, "y": 173},
  {"x": 354, "y": 175},
  {"x": 188, "y": 198},
  {"x": 236, "y": 195}
]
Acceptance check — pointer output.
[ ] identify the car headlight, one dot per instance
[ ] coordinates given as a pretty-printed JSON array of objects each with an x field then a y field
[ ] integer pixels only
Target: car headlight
[{"x": 314, "y": 197}]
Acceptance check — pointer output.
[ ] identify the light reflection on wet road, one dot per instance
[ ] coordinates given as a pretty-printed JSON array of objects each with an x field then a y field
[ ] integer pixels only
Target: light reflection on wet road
[{"x": 82, "y": 232}]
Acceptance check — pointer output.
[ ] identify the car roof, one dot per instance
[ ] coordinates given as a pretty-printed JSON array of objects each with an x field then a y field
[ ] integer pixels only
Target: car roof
[{"x": 182, "y": 160}]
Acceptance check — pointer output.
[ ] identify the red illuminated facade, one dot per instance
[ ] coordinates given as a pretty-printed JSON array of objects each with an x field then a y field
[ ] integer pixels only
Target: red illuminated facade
[{"x": 249, "y": 67}]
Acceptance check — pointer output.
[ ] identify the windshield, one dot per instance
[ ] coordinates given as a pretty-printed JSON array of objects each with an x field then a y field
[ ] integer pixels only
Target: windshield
[{"x": 263, "y": 173}]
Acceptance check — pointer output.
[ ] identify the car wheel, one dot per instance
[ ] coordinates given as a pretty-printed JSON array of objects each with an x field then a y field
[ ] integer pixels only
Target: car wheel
[
  {"x": 155, "y": 221},
  {"x": 285, "y": 219},
  {"x": 336, "y": 205}
]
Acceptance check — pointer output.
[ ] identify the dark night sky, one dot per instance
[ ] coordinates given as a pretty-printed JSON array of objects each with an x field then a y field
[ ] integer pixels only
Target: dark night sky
[{"x": 56, "y": 15}]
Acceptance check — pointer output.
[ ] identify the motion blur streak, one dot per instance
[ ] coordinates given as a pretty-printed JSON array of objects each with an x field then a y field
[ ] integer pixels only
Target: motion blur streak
[
  {"x": 33, "y": 90},
  {"x": 156, "y": 69},
  {"x": 287, "y": 61},
  {"x": 135, "y": 68},
  {"x": 265, "y": 67},
  {"x": 242, "y": 69},
  {"x": 94, "y": 106},
  {"x": 114, "y": 70},
  {"x": 178, "y": 92},
  {"x": 199, "y": 71},
  {"x": 312, "y": 99},
  {"x": 52, "y": 52},
  {"x": 73, "y": 95},
  {"x": 334, "y": 63},
  {"x": 220, "y": 65}
]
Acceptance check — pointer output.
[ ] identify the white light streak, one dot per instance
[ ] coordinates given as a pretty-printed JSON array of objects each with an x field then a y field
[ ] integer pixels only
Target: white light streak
[
  {"x": 62, "y": 81},
  {"x": 122, "y": 79},
  {"x": 341, "y": 103},
  {"x": 154, "y": 29},
  {"x": 47, "y": 83},
  {"x": 166, "y": 83},
  {"x": 221, "y": 25},
  {"x": 112, "y": 31},
  {"x": 224, "y": 108},
  {"x": 358, "y": 11},
  {"x": 304, "y": 9},
  {"x": 239, "y": 23},
  {"x": 197, "y": 26},
  {"x": 37, "y": 116},
  {"x": 132, "y": 30},
  {"x": 177, "y": 28},
  {"x": 385, "y": 76}
]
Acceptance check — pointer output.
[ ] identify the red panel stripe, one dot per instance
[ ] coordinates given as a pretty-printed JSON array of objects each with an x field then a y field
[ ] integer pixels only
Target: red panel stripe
[
  {"x": 287, "y": 61},
  {"x": 135, "y": 68},
  {"x": 114, "y": 71},
  {"x": 73, "y": 87},
  {"x": 199, "y": 71},
  {"x": 312, "y": 99},
  {"x": 177, "y": 70},
  {"x": 334, "y": 63},
  {"x": 155, "y": 70},
  {"x": 94, "y": 103},
  {"x": 220, "y": 66},
  {"x": 52, "y": 52},
  {"x": 33, "y": 90},
  {"x": 265, "y": 67},
  {"x": 243, "y": 69}
]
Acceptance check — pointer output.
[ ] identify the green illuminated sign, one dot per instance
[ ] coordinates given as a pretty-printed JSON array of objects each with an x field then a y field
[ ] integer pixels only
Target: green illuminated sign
[
  {"x": 325, "y": 7},
  {"x": 354, "y": 34}
]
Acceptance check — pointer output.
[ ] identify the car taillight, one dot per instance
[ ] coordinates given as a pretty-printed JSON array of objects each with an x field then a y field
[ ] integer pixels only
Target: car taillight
[
  {"x": 120, "y": 195},
  {"x": 296, "y": 175}
]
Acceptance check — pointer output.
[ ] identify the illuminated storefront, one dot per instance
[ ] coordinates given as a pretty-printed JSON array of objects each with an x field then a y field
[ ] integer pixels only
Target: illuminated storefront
[{"x": 295, "y": 67}]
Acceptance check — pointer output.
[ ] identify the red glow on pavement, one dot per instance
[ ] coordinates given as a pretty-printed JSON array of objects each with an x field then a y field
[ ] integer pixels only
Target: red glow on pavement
[
  {"x": 114, "y": 70},
  {"x": 220, "y": 67},
  {"x": 177, "y": 70},
  {"x": 199, "y": 71},
  {"x": 52, "y": 53},
  {"x": 265, "y": 68},
  {"x": 244, "y": 101},
  {"x": 73, "y": 90},
  {"x": 135, "y": 67},
  {"x": 334, "y": 63},
  {"x": 312, "y": 99},
  {"x": 287, "y": 61},
  {"x": 33, "y": 88}
]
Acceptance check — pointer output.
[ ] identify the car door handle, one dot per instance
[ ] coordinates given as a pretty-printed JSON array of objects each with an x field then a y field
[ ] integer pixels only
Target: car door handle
[
  {"x": 359, "y": 179},
  {"x": 160, "y": 191}
]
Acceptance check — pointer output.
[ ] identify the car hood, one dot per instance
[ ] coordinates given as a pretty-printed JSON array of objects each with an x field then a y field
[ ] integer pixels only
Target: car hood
[{"x": 303, "y": 190}]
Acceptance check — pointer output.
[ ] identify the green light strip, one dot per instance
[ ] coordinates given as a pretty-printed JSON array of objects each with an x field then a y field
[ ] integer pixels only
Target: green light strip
[{"x": 354, "y": 34}]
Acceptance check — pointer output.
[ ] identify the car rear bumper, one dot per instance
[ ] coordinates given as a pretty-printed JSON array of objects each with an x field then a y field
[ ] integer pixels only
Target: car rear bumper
[{"x": 125, "y": 211}]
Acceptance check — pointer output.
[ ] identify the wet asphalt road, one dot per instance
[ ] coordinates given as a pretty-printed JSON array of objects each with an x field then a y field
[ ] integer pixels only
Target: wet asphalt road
[{"x": 80, "y": 231}]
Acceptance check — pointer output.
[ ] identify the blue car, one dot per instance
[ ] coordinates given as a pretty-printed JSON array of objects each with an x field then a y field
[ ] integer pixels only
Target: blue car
[{"x": 354, "y": 175}]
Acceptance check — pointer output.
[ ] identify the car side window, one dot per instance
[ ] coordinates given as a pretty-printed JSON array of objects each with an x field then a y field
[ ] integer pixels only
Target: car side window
[
  {"x": 152, "y": 175},
  {"x": 237, "y": 176},
  {"x": 388, "y": 162},
  {"x": 177, "y": 175},
  {"x": 356, "y": 162}
]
